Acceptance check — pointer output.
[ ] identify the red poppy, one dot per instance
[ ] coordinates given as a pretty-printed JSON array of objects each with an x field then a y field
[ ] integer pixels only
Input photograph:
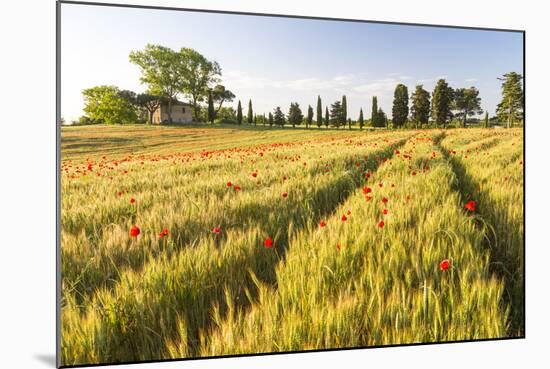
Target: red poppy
[
  {"x": 381, "y": 224},
  {"x": 268, "y": 243},
  {"x": 216, "y": 230},
  {"x": 413, "y": 173},
  {"x": 367, "y": 175},
  {"x": 134, "y": 231},
  {"x": 380, "y": 184},
  {"x": 229, "y": 184},
  {"x": 322, "y": 223},
  {"x": 344, "y": 218},
  {"x": 368, "y": 198},
  {"x": 132, "y": 200},
  {"x": 444, "y": 265},
  {"x": 254, "y": 174},
  {"x": 349, "y": 212},
  {"x": 237, "y": 188},
  {"x": 385, "y": 211},
  {"x": 384, "y": 200},
  {"x": 367, "y": 190},
  {"x": 470, "y": 206},
  {"x": 163, "y": 233},
  {"x": 285, "y": 194},
  {"x": 338, "y": 247}
]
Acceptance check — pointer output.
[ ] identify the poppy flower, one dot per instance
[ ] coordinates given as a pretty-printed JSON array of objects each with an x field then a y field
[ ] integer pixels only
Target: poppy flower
[
  {"x": 367, "y": 190},
  {"x": 384, "y": 200},
  {"x": 163, "y": 233},
  {"x": 268, "y": 243},
  {"x": 285, "y": 194},
  {"x": 413, "y": 173},
  {"x": 322, "y": 223},
  {"x": 385, "y": 211},
  {"x": 338, "y": 247},
  {"x": 381, "y": 224},
  {"x": 237, "y": 188},
  {"x": 380, "y": 184},
  {"x": 344, "y": 218},
  {"x": 349, "y": 212},
  {"x": 368, "y": 198},
  {"x": 132, "y": 200},
  {"x": 444, "y": 265},
  {"x": 367, "y": 175},
  {"x": 470, "y": 206},
  {"x": 216, "y": 230},
  {"x": 134, "y": 231},
  {"x": 229, "y": 184},
  {"x": 254, "y": 174}
]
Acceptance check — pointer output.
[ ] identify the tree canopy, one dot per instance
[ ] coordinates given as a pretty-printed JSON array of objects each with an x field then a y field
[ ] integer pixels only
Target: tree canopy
[
  {"x": 442, "y": 100},
  {"x": 420, "y": 106},
  {"x": 295, "y": 115},
  {"x": 400, "y": 110},
  {"x": 467, "y": 102},
  {"x": 510, "y": 109},
  {"x": 107, "y": 104}
]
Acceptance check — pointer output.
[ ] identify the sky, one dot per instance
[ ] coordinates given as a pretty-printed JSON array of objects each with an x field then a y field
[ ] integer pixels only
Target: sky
[{"x": 275, "y": 61}]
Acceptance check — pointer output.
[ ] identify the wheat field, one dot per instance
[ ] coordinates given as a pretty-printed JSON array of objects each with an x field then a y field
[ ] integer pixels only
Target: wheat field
[{"x": 182, "y": 242}]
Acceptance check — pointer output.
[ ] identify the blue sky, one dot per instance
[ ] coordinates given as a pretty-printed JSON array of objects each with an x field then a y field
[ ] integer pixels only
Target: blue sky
[{"x": 274, "y": 61}]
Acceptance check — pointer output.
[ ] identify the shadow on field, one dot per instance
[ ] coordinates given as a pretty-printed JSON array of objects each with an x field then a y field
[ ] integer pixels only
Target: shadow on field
[
  {"x": 324, "y": 203},
  {"x": 505, "y": 261}
]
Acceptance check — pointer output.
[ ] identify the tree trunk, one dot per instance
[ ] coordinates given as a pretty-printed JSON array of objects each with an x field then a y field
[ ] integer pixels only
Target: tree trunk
[
  {"x": 151, "y": 116},
  {"x": 169, "y": 110}
]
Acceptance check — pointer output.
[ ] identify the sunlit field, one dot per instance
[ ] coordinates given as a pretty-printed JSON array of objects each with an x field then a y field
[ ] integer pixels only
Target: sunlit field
[{"x": 197, "y": 241}]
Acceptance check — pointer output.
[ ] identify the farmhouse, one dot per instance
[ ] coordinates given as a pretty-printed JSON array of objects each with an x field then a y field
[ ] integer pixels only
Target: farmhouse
[{"x": 181, "y": 113}]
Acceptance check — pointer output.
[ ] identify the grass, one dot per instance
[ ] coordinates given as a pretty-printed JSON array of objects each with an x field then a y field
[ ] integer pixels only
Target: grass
[{"x": 196, "y": 292}]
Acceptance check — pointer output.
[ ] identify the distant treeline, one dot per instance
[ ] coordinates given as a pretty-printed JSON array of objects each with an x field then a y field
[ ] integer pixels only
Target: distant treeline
[{"x": 169, "y": 74}]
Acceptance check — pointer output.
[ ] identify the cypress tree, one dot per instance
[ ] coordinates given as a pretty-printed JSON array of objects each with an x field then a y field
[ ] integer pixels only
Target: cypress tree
[
  {"x": 442, "y": 99},
  {"x": 327, "y": 120},
  {"x": 319, "y": 112},
  {"x": 420, "y": 106},
  {"x": 374, "y": 115},
  {"x": 239, "y": 113},
  {"x": 400, "y": 110},
  {"x": 309, "y": 116},
  {"x": 361, "y": 119},
  {"x": 270, "y": 119},
  {"x": 250, "y": 115},
  {"x": 344, "y": 109}
]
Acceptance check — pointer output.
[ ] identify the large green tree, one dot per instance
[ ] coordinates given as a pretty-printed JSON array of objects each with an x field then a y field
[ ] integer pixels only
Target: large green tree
[
  {"x": 319, "y": 112},
  {"x": 510, "y": 109},
  {"x": 309, "y": 118},
  {"x": 295, "y": 115},
  {"x": 150, "y": 103},
  {"x": 250, "y": 115},
  {"x": 161, "y": 71},
  {"x": 442, "y": 101},
  {"x": 327, "y": 119},
  {"x": 361, "y": 119},
  {"x": 278, "y": 117},
  {"x": 108, "y": 105},
  {"x": 400, "y": 109},
  {"x": 420, "y": 106},
  {"x": 270, "y": 119},
  {"x": 239, "y": 113},
  {"x": 467, "y": 102},
  {"x": 220, "y": 95},
  {"x": 198, "y": 73}
]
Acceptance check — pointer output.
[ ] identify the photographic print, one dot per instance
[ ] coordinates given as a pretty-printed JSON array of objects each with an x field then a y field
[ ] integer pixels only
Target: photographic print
[{"x": 239, "y": 184}]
